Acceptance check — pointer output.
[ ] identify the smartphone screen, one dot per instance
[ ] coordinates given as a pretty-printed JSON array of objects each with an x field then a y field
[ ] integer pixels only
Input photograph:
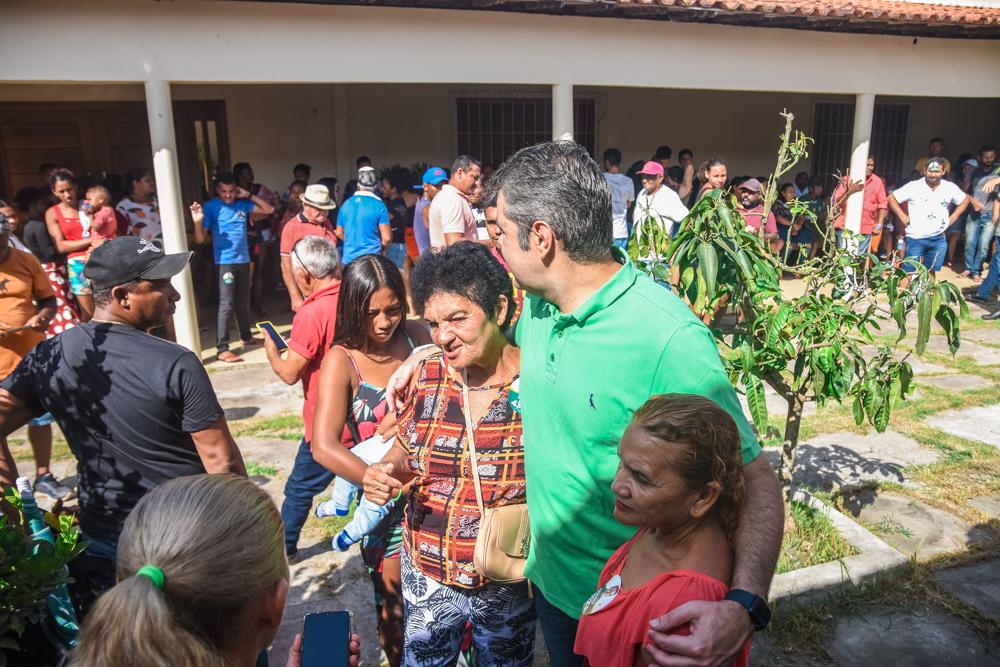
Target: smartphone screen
[
  {"x": 267, "y": 329},
  {"x": 326, "y": 639}
]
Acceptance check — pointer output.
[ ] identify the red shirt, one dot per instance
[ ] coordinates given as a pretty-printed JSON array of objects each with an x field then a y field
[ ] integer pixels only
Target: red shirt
[
  {"x": 312, "y": 336},
  {"x": 875, "y": 199},
  {"x": 298, "y": 228},
  {"x": 613, "y": 635},
  {"x": 753, "y": 216}
]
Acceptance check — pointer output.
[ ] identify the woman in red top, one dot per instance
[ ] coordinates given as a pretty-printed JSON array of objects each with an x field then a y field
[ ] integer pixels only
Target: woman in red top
[
  {"x": 465, "y": 296},
  {"x": 70, "y": 234},
  {"x": 680, "y": 481}
]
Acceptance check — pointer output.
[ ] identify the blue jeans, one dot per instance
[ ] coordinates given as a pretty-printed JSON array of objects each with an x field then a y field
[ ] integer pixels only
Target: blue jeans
[
  {"x": 396, "y": 252},
  {"x": 559, "y": 631},
  {"x": 307, "y": 480},
  {"x": 930, "y": 252},
  {"x": 992, "y": 279},
  {"x": 620, "y": 243},
  {"x": 979, "y": 230}
]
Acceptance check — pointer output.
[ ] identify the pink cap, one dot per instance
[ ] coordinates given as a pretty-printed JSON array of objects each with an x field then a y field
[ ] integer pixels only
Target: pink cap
[{"x": 652, "y": 169}]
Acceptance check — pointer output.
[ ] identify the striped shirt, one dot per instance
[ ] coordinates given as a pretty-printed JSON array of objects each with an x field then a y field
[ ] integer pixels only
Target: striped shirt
[{"x": 442, "y": 516}]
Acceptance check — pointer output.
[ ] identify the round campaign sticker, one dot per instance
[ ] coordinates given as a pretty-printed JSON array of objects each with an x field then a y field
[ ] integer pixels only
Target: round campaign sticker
[{"x": 604, "y": 596}]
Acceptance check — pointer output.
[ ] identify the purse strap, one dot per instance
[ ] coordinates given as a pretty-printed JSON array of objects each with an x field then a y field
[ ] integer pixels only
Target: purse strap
[{"x": 473, "y": 459}]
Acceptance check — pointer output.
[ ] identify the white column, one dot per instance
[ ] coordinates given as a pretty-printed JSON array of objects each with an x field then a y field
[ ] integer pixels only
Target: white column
[
  {"x": 864, "y": 115},
  {"x": 562, "y": 110},
  {"x": 168, "y": 192}
]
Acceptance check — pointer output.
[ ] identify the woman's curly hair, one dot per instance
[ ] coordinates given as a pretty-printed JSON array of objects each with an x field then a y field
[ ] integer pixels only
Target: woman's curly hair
[{"x": 467, "y": 269}]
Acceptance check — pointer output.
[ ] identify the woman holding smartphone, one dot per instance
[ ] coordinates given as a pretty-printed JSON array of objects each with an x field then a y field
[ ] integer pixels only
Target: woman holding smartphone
[{"x": 373, "y": 338}]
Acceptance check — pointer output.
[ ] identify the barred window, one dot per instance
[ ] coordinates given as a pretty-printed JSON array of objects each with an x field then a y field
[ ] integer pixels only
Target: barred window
[{"x": 492, "y": 128}]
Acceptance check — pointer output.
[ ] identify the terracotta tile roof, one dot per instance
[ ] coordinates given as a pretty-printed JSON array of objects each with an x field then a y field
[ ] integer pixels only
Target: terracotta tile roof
[
  {"x": 950, "y": 18},
  {"x": 862, "y": 14}
]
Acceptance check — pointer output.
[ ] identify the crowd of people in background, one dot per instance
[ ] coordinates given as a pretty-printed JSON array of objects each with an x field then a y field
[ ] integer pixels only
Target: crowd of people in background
[{"x": 485, "y": 333}]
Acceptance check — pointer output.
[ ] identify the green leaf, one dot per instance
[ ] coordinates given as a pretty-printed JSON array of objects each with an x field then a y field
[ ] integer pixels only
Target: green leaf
[
  {"x": 924, "y": 314},
  {"x": 881, "y": 420},
  {"x": 756, "y": 401},
  {"x": 744, "y": 263},
  {"x": 726, "y": 219},
  {"x": 869, "y": 398},
  {"x": 687, "y": 278},
  {"x": 949, "y": 322},
  {"x": 905, "y": 378},
  {"x": 899, "y": 315},
  {"x": 858, "y": 410},
  {"x": 777, "y": 324},
  {"x": 708, "y": 263}
]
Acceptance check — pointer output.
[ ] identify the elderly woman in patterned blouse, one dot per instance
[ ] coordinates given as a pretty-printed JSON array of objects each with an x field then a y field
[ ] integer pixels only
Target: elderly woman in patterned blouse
[{"x": 465, "y": 296}]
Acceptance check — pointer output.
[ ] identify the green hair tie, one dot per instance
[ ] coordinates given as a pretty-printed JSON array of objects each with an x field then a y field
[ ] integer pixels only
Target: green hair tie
[{"x": 154, "y": 573}]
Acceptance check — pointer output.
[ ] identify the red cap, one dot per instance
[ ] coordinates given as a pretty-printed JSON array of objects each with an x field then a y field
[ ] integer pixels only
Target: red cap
[{"x": 652, "y": 169}]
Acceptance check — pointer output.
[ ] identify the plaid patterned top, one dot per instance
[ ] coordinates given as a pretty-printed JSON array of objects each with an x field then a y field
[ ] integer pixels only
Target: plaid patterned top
[{"x": 442, "y": 516}]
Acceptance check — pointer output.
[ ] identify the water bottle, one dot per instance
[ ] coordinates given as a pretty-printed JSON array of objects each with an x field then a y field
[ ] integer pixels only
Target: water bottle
[{"x": 63, "y": 630}]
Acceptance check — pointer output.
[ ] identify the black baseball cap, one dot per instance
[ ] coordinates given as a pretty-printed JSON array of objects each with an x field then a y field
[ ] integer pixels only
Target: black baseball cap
[{"x": 127, "y": 258}]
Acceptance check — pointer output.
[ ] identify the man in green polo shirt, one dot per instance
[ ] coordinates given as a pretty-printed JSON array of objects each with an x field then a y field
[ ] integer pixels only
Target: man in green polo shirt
[{"x": 597, "y": 339}]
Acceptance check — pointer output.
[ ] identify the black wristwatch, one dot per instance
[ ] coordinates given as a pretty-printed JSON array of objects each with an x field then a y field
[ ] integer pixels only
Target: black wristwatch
[{"x": 756, "y": 606}]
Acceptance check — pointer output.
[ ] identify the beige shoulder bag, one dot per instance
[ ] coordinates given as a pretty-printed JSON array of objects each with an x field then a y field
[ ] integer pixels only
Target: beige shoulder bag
[{"x": 503, "y": 540}]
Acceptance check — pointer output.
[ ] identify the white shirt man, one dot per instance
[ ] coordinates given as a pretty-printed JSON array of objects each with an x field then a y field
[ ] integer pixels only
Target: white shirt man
[
  {"x": 451, "y": 218},
  {"x": 929, "y": 207},
  {"x": 656, "y": 202}
]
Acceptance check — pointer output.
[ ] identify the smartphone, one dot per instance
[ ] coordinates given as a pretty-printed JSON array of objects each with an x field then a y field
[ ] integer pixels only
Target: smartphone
[
  {"x": 267, "y": 329},
  {"x": 326, "y": 639}
]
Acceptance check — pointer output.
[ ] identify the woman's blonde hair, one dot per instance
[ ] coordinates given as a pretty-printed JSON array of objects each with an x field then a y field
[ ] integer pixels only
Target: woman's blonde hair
[
  {"x": 704, "y": 447},
  {"x": 218, "y": 540}
]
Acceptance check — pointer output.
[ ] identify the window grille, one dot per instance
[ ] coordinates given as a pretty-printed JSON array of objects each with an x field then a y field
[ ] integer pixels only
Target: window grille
[
  {"x": 833, "y": 129},
  {"x": 492, "y": 128}
]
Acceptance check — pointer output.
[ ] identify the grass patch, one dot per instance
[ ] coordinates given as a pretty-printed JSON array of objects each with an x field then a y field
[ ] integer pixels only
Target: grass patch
[
  {"x": 812, "y": 541},
  {"x": 327, "y": 527},
  {"x": 255, "y": 469},
  {"x": 20, "y": 448},
  {"x": 889, "y": 526},
  {"x": 285, "y": 426}
]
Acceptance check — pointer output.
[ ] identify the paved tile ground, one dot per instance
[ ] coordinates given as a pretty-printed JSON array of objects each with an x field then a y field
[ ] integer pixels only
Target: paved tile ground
[
  {"x": 845, "y": 460},
  {"x": 917, "y": 529},
  {"x": 977, "y": 585},
  {"x": 909, "y": 638},
  {"x": 979, "y": 423}
]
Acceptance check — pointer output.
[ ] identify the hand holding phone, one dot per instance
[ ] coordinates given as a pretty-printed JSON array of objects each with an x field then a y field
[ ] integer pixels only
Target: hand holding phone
[
  {"x": 267, "y": 329},
  {"x": 326, "y": 639}
]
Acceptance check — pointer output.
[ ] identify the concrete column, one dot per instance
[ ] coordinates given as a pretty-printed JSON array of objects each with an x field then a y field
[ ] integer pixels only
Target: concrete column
[
  {"x": 342, "y": 135},
  {"x": 168, "y": 191},
  {"x": 864, "y": 115},
  {"x": 562, "y": 110}
]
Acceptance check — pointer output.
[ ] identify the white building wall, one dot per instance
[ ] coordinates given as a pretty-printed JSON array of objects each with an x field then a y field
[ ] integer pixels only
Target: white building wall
[
  {"x": 213, "y": 41},
  {"x": 276, "y": 126}
]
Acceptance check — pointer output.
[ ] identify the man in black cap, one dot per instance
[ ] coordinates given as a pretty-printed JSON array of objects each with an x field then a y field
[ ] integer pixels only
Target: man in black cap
[{"x": 136, "y": 410}]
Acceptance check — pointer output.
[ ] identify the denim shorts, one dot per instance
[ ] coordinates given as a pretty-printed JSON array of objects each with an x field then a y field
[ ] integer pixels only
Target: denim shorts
[
  {"x": 931, "y": 251},
  {"x": 396, "y": 252},
  {"x": 44, "y": 420}
]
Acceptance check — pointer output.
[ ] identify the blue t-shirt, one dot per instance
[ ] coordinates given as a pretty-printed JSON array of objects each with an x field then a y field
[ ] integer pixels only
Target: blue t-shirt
[
  {"x": 360, "y": 217},
  {"x": 228, "y": 225}
]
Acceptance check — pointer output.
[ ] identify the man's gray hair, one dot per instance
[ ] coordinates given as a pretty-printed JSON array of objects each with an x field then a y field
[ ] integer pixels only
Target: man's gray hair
[
  {"x": 560, "y": 183},
  {"x": 465, "y": 163},
  {"x": 317, "y": 256}
]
